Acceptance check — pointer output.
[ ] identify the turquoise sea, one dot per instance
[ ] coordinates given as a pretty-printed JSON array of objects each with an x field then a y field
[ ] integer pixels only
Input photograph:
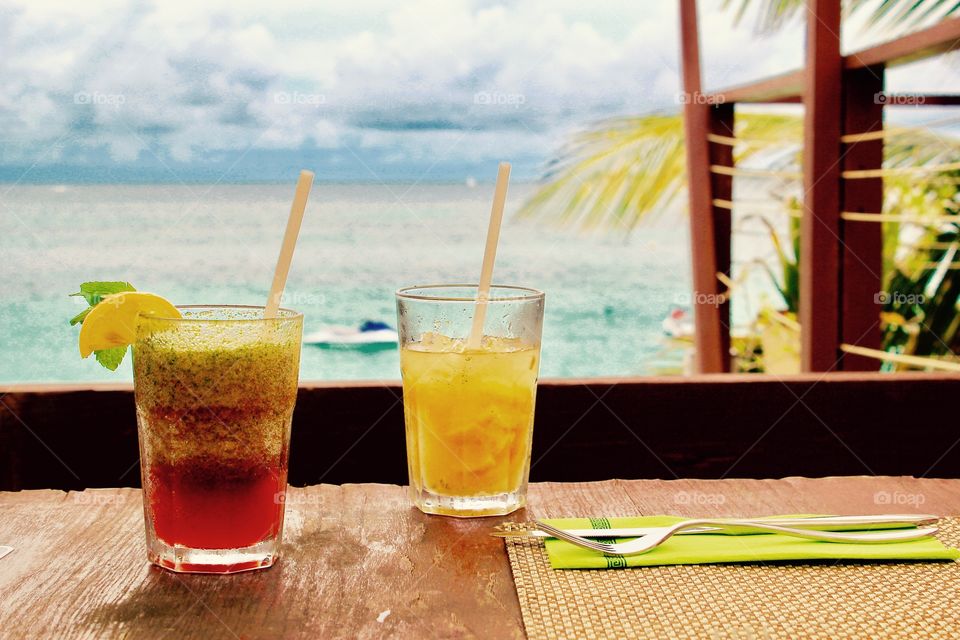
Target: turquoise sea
[{"x": 205, "y": 244}]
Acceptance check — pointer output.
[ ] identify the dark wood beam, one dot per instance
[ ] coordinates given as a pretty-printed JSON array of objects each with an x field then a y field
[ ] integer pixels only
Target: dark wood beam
[
  {"x": 729, "y": 425},
  {"x": 861, "y": 262},
  {"x": 721, "y": 187},
  {"x": 919, "y": 100},
  {"x": 820, "y": 227},
  {"x": 787, "y": 87},
  {"x": 913, "y": 47}
]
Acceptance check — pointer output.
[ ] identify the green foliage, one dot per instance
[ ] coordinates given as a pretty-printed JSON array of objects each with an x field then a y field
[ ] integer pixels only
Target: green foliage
[
  {"x": 619, "y": 173},
  {"x": 613, "y": 171},
  {"x": 94, "y": 292},
  {"x": 111, "y": 358},
  {"x": 788, "y": 280},
  {"x": 922, "y": 289},
  {"x": 623, "y": 170},
  {"x": 773, "y": 14}
]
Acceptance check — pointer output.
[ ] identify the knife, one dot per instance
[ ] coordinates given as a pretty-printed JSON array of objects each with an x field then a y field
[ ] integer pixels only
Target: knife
[{"x": 823, "y": 523}]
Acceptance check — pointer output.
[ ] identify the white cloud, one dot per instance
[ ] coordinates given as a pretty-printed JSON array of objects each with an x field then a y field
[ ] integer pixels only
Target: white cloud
[{"x": 185, "y": 78}]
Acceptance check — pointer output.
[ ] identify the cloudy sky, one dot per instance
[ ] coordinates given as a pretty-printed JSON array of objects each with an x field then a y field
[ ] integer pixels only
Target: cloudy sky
[{"x": 359, "y": 90}]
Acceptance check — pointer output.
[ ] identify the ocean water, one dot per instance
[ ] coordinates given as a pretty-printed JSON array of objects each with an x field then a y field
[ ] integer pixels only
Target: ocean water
[{"x": 210, "y": 244}]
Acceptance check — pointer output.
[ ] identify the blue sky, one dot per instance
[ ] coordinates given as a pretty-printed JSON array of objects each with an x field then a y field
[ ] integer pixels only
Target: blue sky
[{"x": 367, "y": 90}]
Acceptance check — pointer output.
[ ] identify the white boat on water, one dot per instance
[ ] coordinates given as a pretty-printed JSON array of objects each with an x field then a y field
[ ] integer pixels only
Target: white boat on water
[
  {"x": 371, "y": 335},
  {"x": 678, "y": 324}
]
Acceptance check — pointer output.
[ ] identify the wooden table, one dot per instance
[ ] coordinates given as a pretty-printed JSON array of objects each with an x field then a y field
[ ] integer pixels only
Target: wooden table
[{"x": 358, "y": 560}]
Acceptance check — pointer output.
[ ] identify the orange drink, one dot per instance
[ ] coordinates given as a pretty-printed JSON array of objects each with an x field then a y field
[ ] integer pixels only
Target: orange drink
[{"x": 469, "y": 414}]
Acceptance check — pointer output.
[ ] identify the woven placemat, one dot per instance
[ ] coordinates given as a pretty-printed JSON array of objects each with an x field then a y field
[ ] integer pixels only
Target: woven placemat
[{"x": 740, "y": 601}]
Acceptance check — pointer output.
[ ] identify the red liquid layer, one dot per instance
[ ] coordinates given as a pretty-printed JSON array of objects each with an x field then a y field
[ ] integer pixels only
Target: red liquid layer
[{"x": 210, "y": 505}]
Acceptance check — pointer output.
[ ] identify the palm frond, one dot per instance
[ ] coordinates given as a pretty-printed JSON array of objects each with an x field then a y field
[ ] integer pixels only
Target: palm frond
[
  {"x": 774, "y": 14},
  {"x": 625, "y": 170},
  {"x": 916, "y": 146},
  {"x": 609, "y": 172},
  {"x": 911, "y": 12}
]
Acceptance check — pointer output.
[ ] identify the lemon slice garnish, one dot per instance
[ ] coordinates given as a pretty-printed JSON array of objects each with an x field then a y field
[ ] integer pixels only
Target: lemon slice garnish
[{"x": 113, "y": 322}]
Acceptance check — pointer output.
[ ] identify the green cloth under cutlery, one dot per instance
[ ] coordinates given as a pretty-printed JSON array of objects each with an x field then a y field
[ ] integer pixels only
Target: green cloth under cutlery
[{"x": 707, "y": 548}]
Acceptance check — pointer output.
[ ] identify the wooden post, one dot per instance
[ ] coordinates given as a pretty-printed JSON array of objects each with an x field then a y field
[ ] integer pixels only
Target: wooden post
[
  {"x": 722, "y": 123},
  {"x": 820, "y": 229},
  {"x": 710, "y": 354},
  {"x": 862, "y": 249}
]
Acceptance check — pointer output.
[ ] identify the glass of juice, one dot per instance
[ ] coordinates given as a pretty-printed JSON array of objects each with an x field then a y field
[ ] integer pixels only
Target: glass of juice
[
  {"x": 215, "y": 392},
  {"x": 468, "y": 408}
]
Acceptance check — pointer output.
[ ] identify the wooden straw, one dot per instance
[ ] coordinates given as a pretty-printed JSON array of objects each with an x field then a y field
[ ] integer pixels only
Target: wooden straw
[
  {"x": 489, "y": 256},
  {"x": 289, "y": 243}
]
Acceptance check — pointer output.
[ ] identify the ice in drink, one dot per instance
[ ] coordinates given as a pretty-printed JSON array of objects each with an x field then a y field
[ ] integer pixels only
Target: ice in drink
[{"x": 469, "y": 422}]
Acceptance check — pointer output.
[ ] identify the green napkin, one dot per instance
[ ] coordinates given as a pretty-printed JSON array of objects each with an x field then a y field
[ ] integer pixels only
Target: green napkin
[{"x": 712, "y": 548}]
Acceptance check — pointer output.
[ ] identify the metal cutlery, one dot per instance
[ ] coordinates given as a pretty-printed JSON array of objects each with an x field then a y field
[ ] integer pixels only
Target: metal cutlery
[
  {"x": 826, "y": 523},
  {"x": 658, "y": 535}
]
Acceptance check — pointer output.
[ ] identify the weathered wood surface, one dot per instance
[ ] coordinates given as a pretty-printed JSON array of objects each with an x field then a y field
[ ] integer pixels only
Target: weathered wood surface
[
  {"x": 74, "y": 437},
  {"x": 358, "y": 561}
]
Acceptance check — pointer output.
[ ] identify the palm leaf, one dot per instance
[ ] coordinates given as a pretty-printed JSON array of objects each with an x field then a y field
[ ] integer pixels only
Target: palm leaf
[
  {"x": 773, "y": 14},
  {"x": 624, "y": 170}
]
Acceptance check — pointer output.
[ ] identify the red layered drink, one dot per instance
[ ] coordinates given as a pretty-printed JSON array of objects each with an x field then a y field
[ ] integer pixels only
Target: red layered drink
[{"x": 215, "y": 395}]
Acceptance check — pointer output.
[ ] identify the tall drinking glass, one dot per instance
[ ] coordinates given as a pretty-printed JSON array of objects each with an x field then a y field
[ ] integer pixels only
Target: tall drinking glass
[
  {"x": 215, "y": 392},
  {"x": 469, "y": 411}
]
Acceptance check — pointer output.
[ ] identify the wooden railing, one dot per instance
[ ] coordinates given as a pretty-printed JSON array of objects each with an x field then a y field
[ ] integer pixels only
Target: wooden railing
[
  {"x": 73, "y": 437},
  {"x": 841, "y": 256}
]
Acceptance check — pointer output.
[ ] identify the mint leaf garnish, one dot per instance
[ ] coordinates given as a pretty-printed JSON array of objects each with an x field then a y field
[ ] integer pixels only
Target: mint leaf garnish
[
  {"x": 93, "y": 292},
  {"x": 111, "y": 358}
]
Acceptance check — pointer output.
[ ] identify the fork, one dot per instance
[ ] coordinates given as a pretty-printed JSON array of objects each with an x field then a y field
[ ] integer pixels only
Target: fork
[
  {"x": 826, "y": 523},
  {"x": 658, "y": 535}
]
